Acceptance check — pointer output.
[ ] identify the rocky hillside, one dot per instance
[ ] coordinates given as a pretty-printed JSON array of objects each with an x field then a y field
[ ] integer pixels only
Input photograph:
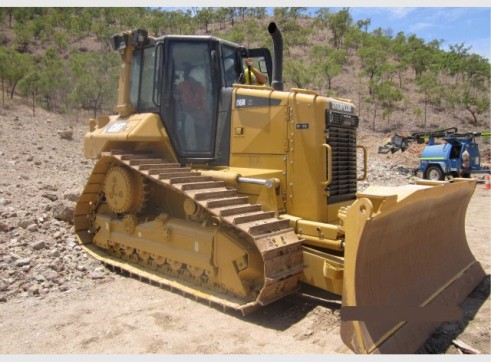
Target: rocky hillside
[{"x": 43, "y": 172}]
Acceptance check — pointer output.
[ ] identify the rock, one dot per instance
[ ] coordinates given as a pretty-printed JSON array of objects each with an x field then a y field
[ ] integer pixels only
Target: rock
[
  {"x": 50, "y": 275},
  {"x": 22, "y": 262},
  {"x": 96, "y": 274},
  {"x": 4, "y": 286},
  {"x": 50, "y": 196},
  {"x": 32, "y": 227},
  {"x": 34, "y": 290},
  {"x": 63, "y": 211},
  {"x": 4, "y": 201},
  {"x": 54, "y": 253},
  {"x": 24, "y": 223},
  {"x": 71, "y": 242},
  {"x": 71, "y": 196},
  {"x": 39, "y": 278},
  {"x": 38, "y": 245},
  {"x": 66, "y": 134},
  {"x": 4, "y": 227}
]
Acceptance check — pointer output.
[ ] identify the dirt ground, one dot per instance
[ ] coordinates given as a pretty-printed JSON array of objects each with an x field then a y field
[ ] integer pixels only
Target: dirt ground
[{"x": 100, "y": 312}]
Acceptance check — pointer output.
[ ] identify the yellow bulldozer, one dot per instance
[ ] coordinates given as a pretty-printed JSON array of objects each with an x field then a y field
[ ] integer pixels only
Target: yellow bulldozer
[{"x": 244, "y": 195}]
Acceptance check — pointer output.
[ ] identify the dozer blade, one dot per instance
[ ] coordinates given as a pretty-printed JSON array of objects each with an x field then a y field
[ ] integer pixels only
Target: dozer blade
[{"x": 407, "y": 265}]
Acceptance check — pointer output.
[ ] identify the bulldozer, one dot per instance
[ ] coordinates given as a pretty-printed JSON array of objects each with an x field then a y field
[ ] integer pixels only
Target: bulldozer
[{"x": 254, "y": 195}]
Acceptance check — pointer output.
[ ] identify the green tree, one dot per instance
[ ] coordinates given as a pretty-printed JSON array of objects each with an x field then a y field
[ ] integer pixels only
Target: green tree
[
  {"x": 454, "y": 60},
  {"x": 339, "y": 23},
  {"x": 295, "y": 13},
  {"x": 9, "y": 13},
  {"x": 398, "y": 50},
  {"x": 231, "y": 15},
  {"x": 4, "y": 69},
  {"x": 429, "y": 86},
  {"x": 354, "y": 38},
  {"x": 294, "y": 34},
  {"x": 297, "y": 73},
  {"x": 373, "y": 58},
  {"x": 386, "y": 95},
  {"x": 420, "y": 55},
  {"x": 22, "y": 15},
  {"x": 258, "y": 13},
  {"x": 474, "y": 101},
  {"x": 322, "y": 17},
  {"x": 329, "y": 62},
  {"x": 242, "y": 12},
  {"x": 29, "y": 86},
  {"x": 221, "y": 16},
  {"x": 205, "y": 16},
  {"x": 95, "y": 76},
  {"x": 24, "y": 35},
  {"x": 18, "y": 65},
  {"x": 55, "y": 84},
  {"x": 363, "y": 24}
]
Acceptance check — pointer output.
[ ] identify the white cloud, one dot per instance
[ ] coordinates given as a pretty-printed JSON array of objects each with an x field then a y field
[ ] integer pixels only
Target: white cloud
[
  {"x": 417, "y": 27},
  {"x": 448, "y": 15},
  {"x": 399, "y": 13}
]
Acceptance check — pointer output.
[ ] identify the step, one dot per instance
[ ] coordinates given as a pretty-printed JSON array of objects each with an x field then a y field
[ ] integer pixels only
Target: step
[
  {"x": 256, "y": 216},
  {"x": 176, "y": 174},
  {"x": 195, "y": 177},
  {"x": 163, "y": 166},
  {"x": 215, "y": 194},
  {"x": 219, "y": 203},
  {"x": 202, "y": 185},
  {"x": 241, "y": 209},
  {"x": 148, "y": 161},
  {"x": 136, "y": 155},
  {"x": 263, "y": 227}
]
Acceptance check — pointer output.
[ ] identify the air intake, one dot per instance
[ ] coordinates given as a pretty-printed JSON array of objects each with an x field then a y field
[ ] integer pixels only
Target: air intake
[{"x": 341, "y": 136}]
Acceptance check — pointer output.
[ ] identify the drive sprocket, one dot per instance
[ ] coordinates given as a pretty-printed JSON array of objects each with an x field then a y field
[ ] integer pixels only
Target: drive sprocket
[{"x": 124, "y": 190}]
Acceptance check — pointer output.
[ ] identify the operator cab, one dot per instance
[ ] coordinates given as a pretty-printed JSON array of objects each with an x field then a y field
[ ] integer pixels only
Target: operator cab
[{"x": 189, "y": 80}]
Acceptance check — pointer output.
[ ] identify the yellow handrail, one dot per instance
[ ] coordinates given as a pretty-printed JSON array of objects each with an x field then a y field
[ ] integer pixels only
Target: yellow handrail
[
  {"x": 328, "y": 165},
  {"x": 365, "y": 163}
]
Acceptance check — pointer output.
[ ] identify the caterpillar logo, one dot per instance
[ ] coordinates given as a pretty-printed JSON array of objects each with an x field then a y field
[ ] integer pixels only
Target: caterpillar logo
[{"x": 342, "y": 107}]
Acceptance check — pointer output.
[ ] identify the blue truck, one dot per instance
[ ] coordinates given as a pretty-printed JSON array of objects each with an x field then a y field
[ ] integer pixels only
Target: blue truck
[{"x": 443, "y": 159}]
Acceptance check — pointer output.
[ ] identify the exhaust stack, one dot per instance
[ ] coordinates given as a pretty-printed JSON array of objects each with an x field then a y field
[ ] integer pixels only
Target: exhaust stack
[{"x": 277, "y": 82}]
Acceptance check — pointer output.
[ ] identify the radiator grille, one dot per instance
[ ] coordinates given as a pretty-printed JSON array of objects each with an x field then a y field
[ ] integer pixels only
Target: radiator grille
[{"x": 341, "y": 136}]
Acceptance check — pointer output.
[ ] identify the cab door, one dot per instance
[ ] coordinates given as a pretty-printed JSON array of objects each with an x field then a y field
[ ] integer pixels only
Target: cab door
[{"x": 190, "y": 94}]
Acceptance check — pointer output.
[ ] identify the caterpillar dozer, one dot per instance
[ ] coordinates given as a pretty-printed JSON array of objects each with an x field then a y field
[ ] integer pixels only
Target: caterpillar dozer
[{"x": 255, "y": 195}]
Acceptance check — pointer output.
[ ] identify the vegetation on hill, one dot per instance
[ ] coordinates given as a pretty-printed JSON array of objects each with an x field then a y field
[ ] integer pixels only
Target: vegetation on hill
[{"x": 60, "y": 59}]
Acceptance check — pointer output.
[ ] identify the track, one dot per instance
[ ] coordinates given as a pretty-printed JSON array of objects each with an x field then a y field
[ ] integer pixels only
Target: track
[{"x": 279, "y": 246}]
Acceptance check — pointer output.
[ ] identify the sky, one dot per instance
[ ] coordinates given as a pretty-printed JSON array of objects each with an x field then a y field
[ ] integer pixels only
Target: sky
[
  {"x": 429, "y": 20},
  {"x": 454, "y": 25}
]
